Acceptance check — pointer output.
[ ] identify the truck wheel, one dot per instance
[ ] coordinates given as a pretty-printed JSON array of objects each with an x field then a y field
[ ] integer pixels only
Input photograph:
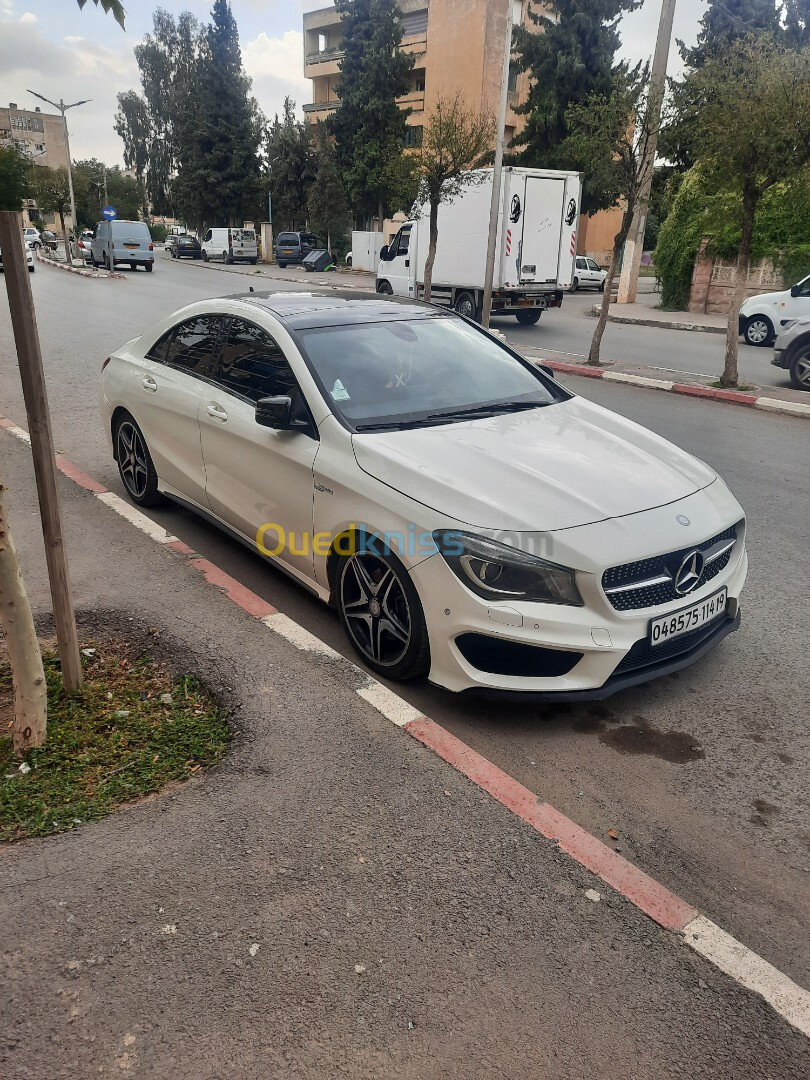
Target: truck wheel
[
  {"x": 465, "y": 305},
  {"x": 384, "y": 288},
  {"x": 528, "y": 318}
]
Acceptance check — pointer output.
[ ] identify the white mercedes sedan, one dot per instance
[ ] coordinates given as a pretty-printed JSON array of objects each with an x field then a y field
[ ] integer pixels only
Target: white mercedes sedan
[{"x": 470, "y": 518}]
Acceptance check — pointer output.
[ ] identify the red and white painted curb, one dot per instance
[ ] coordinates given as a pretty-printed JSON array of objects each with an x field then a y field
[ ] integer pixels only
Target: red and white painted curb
[
  {"x": 80, "y": 270},
  {"x": 745, "y": 967},
  {"x": 734, "y": 397}
]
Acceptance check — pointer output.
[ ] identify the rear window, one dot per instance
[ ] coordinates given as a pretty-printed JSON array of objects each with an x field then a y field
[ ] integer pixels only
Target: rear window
[
  {"x": 288, "y": 238},
  {"x": 131, "y": 228}
]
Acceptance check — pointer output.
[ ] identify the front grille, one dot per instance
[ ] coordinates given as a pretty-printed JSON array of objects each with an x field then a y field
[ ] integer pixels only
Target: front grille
[
  {"x": 643, "y": 654},
  {"x": 664, "y": 567}
]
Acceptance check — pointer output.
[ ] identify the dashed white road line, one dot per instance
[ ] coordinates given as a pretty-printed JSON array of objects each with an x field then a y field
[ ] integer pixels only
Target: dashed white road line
[
  {"x": 135, "y": 517},
  {"x": 298, "y": 636},
  {"x": 391, "y": 705}
]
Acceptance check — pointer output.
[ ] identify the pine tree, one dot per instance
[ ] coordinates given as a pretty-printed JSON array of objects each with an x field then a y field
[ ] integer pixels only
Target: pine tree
[
  {"x": 328, "y": 209},
  {"x": 218, "y": 165},
  {"x": 725, "y": 21},
  {"x": 797, "y": 23},
  {"x": 369, "y": 127},
  {"x": 289, "y": 151},
  {"x": 569, "y": 61}
]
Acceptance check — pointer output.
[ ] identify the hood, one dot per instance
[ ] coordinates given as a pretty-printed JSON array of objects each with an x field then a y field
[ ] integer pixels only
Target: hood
[
  {"x": 551, "y": 468},
  {"x": 762, "y": 299}
]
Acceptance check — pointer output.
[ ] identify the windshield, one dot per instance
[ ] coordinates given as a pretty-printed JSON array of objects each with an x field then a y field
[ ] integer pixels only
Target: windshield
[{"x": 428, "y": 370}]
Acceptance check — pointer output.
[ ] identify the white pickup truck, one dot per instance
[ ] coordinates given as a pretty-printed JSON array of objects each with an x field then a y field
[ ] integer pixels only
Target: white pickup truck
[{"x": 536, "y": 245}]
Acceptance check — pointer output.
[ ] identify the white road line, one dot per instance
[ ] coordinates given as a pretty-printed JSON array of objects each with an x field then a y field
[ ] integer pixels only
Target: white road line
[
  {"x": 135, "y": 517},
  {"x": 638, "y": 380},
  {"x": 751, "y": 971},
  {"x": 299, "y": 637},
  {"x": 390, "y": 705},
  {"x": 777, "y": 405}
]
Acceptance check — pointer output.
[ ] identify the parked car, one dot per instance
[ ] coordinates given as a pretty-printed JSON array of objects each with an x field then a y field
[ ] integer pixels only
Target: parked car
[
  {"x": 85, "y": 245},
  {"x": 469, "y": 517},
  {"x": 29, "y": 256},
  {"x": 230, "y": 246},
  {"x": 791, "y": 351},
  {"x": 33, "y": 236},
  {"x": 764, "y": 315},
  {"x": 587, "y": 272},
  {"x": 183, "y": 246},
  {"x": 293, "y": 247},
  {"x": 121, "y": 241},
  {"x": 50, "y": 240}
]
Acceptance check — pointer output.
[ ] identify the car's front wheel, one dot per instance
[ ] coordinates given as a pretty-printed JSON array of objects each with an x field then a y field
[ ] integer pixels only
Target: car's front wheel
[
  {"x": 205, "y": 256},
  {"x": 800, "y": 368},
  {"x": 382, "y": 614},
  {"x": 758, "y": 330},
  {"x": 135, "y": 464}
]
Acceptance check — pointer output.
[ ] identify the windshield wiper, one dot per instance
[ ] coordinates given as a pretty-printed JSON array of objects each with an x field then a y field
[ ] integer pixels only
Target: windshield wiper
[
  {"x": 399, "y": 425},
  {"x": 487, "y": 410}
]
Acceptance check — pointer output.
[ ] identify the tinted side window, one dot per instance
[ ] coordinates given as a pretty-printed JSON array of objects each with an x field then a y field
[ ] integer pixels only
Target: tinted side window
[
  {"x": 193, "y": 345},
  {"x": 252, "y": 364}
]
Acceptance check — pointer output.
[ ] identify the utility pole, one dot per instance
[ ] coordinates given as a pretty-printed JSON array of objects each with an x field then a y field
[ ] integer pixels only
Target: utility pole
[
  {"x": 495, "y": 201},
  {"x": 29, "y": 355},
  {"x": 63, "y": 108},
  {"x": 631, "y": 263}
]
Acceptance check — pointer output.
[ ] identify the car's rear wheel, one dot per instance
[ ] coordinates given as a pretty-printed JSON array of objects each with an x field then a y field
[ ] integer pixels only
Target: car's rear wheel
[
  {"x": 602, "y": 285},
  {"x": 135, "y": 465},
  {"x": 281, "y": 266},
  {"x": 384, "y": 288},
  {"x": 758, "y": 330},
  {"x": 575, "y": 284},
  {"x": 465, "y": 305},
  {"x": 205, "y": 256},
  {"x": 528, "y": 318},
  {"x": 382, "y": 614},
  {"x": 800, "y": 368},
  {"x": 148, "y": 267},
  {"x": 226, "y": 258}
]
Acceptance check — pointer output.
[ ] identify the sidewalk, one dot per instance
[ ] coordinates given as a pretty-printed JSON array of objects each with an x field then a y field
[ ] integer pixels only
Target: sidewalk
[
  {"x": 342, "y": 902},
  {"x": 645, "y": 312}
]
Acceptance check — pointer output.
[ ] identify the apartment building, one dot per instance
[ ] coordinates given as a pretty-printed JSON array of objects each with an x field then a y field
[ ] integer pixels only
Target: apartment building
[
  {"x": 42, "y": 137},
  {"x": 457, "y": 45}
]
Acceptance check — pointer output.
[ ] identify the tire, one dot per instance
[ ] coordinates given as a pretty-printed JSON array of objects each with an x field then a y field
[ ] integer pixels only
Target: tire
[
  {"x": 394, "y": 641},
  {"x": 528, "y": 318},
  {"x": 384, "y": 289},
  {"x": 758, "y": 330},
  {"x": 465, "y": 305},
  {"x": 205, "y": 256},
  {"x": 281, "y": 266},
  {"x": 253, "y": 261},
  {"x": 93, "y": 262},
  {"x": 601, "y": 286},
  {"x": 800, "y": 368},
  {"x": 31, "y": 269},
  {"x": 148, "y": 267},
  {"x": 133, "y": 266},
  {"x": 349, "y": 261},
  {"x": 226, "y": 258},
  {"x": 135, "y": 466},
  {"x": 575, "y": 284}
]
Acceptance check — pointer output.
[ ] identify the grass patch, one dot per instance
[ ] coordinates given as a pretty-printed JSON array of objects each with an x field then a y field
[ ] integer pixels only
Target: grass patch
[
  {"x": 742, "y": 387},
  {"x": 115, "y": 740}
]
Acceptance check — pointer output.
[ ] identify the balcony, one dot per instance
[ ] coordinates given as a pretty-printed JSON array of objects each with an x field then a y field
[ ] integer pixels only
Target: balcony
[
  {"x": 337, "y": 52},
  {"x": 414, "y": 99},
  {"x": 316, "y": 110}
]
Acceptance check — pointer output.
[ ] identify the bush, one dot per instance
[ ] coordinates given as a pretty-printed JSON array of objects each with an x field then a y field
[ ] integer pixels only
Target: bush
[{"x": 159, "y": 232}]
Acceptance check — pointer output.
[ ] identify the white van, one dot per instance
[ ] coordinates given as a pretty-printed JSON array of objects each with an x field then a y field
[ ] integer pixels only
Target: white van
[
  {"x": 230, "y": 245},
  {"x": 119, "y": 241}
]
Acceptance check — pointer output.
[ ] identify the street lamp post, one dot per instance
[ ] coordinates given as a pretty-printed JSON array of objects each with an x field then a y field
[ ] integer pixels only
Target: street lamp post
[{"x": 63, "y": 108}]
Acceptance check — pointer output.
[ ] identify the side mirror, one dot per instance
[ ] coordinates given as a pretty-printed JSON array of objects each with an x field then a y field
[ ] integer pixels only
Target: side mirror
[
  {"x": 384, "y": 253},
  {"x": 794, "y": 290},
  {"x": 274, "y": 412}
]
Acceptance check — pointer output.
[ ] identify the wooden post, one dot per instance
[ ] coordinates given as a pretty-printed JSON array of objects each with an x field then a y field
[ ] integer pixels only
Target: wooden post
[{"x": 26, "y": 337}]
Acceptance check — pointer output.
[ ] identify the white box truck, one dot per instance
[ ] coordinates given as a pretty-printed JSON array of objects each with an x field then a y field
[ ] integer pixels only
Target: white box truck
[{"x": 536, "y": 244}]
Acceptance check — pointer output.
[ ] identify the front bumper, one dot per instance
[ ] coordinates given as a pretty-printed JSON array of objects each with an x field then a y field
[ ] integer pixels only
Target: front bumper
[
  {"x": 558, "y": 652},
  {"x": 780, "y": 358}
]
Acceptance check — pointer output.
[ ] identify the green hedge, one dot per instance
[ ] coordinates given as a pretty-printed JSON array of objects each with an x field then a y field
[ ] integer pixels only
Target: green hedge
[{"x": 781, "y": 232}]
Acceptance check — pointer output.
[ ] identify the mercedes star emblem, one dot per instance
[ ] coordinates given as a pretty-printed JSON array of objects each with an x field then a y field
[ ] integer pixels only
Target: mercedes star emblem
[
  {"x": 689, "y": 573},
  {"x": 682, "y": 519}
]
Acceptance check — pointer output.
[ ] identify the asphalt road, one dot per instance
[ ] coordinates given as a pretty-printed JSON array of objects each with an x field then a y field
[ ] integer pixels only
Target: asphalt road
[{"x": 703, "y": 776}]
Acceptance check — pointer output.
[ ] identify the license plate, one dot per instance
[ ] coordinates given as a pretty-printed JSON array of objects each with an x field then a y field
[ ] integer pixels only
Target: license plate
[
  {"x": 132, "y": 247},
  {"x": 691, "y": 618},
  {"x": 525, "y": 303},
  {"x": 286, "y": 251}
]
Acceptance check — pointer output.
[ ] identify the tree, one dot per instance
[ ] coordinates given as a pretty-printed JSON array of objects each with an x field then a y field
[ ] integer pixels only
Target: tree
[
  {"x": 454, "y": 142},
  {"x": 218, "y": 170},
  {"x": 602, "y": 131},
  {"x": 326, "y": 202},
  {"x": 114, "y": 7},
  {"x": 289, "y": 153},
  {"x": 17, "y": 626},
  {"x": 369, "y": 126},
  {"x": 570, "y": 62},
  {"x": 753, "y": 148},
  {"x": 724, "y": 22},
  {"x": 122, "y": 192},
  {"x": 797, "y": 23},
  {"x": 52, "y": 192},
  {"x": 15, "y": 178}
]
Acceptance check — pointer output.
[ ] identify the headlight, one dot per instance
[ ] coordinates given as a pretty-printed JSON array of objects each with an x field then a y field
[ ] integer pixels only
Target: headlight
[{"x": 497, "y": 572}]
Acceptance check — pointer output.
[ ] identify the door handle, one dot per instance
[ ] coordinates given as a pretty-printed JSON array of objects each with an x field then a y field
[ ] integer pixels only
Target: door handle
[
  {"x": 216, "y": 412},
  {"x": 149, "y": 383},
  {"x": 407, "y": 262}
]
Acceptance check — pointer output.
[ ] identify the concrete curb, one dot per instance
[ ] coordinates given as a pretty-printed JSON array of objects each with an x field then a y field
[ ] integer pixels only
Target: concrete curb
[
  {"x": 662, "y": 324},
  {"x": 310, "y": 279},
  {"x": 78, "y": 270},
  {"x": 734, "y": 397},
  {"x": 747, "y": 968}
]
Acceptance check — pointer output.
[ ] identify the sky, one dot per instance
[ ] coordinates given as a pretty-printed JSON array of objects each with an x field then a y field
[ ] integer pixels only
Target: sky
[{"x": 53, "y": 48}]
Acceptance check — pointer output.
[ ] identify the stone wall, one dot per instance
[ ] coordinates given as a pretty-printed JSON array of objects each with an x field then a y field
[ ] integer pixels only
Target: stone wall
[{"x": 714, "y": 281}]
